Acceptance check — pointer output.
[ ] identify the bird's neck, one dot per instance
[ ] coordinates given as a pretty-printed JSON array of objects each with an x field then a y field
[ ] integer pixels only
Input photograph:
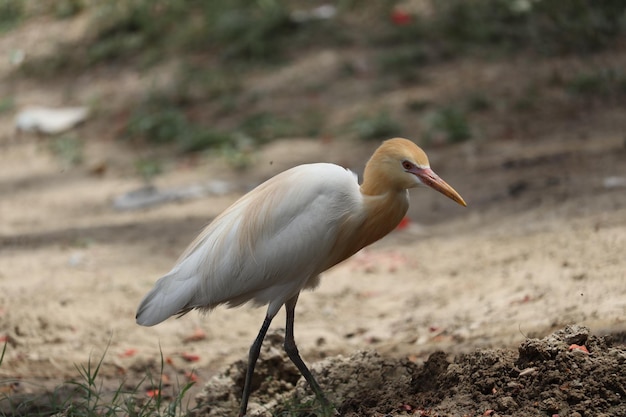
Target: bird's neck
[
  {"x": 383, "y": 213},
  {"x": 384, "y": 204},
  {"x": 380, "y": 215},
  {"x": 375, "y": 180}
]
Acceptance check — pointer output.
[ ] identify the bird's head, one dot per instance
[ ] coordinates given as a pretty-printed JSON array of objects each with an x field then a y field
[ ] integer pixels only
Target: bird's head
[{"x": 401, "y": 164}]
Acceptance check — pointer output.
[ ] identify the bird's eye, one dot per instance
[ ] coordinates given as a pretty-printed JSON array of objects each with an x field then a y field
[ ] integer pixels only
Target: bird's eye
[{"x": 407, "y": 165}]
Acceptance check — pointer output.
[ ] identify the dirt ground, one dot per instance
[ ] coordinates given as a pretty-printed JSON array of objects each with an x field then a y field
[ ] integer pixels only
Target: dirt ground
[
  {"x": 540, "y": 247},
  {"x": 550, "y": 376}
]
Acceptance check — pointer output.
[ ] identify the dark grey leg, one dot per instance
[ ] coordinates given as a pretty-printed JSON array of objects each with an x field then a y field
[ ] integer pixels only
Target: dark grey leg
[
  {"x": 294, "y": 355},
  {"x": 253, "y": 355}
]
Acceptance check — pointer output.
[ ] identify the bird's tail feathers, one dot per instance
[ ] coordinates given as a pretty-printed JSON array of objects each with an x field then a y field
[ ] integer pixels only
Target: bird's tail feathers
[{"x": 170, "y": 296}]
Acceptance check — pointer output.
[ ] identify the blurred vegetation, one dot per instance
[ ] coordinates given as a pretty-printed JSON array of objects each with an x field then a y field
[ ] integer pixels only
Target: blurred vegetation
[
  {"x": 606, "y": 83},
  {"x": 380, "y": 125},
  {"x": 6, "y": 104},
  {"x": 447, "y": 124},
  {"x": 236, "y": 29},
  {"x": 11, "y": 13},
  {"x": 69, "y": 150},
  {"x": 148, "y": 168},
  {"x": 159, "y": 121},
  {"x": 217, "y": 46},
  {"x": 565, "y": 26}
]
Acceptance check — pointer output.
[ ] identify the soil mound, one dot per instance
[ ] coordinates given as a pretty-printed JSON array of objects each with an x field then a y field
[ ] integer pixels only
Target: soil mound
[{"x": 569, "y": 373}]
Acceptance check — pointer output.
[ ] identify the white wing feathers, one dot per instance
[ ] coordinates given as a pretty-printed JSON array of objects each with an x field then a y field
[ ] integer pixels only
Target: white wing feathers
[{"x": 265, "y": 248}]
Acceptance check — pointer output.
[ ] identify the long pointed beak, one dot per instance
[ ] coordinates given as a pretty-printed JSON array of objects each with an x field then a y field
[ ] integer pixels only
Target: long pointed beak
[{"x": 429, "y": 178}]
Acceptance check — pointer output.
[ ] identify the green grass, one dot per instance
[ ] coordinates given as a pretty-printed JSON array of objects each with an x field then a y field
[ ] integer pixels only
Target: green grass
[
  {"x": 94, "y": 401},
  {"x": 4, "y": 351},
  {"x": 87, "y": 397}
]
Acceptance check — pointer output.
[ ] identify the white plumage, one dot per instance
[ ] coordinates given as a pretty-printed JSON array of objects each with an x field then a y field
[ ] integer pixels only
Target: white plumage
[{"x": 266, "y": 247}]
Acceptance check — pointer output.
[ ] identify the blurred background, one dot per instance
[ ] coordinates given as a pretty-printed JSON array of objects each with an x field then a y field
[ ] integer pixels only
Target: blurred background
[
  {"x": 126, "y": 125},
  {"x": 170, "y": 79}
]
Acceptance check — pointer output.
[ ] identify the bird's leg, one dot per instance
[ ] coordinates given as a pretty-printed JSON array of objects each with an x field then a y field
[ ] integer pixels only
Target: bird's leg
[
  {"x": 253, "y": 355},
  {"x": 294, "y": 355}
]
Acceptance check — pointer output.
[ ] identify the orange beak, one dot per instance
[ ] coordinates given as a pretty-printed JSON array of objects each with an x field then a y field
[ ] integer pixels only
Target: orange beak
[{"x": 429, "y": 178}]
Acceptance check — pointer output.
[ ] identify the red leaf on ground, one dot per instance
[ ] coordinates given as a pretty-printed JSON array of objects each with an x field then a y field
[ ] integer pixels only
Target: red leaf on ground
[
  {"x": 197, "y": 335},
  {"x": 522, "y": 300},
  {"x": 578, "y": 347},
  {"x": 153, "y": 393},
  {"x": 190, "y": 357},
  {"x": 130, "y": 352}
]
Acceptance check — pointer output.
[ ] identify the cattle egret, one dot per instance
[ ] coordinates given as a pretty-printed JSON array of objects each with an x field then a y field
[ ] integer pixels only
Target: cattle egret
[{"x": 276, "y": 240}]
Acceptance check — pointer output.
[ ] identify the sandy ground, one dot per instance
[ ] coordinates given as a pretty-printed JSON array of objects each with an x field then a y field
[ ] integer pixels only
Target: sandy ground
[
  {"x": 73, "y": 269},
  {"x": 540, "y": 246}
]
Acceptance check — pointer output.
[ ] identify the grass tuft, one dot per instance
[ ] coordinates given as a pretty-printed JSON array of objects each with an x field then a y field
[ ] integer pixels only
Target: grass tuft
[
  {"x": 87, "y": 397},
  {"x": 94, "y": 401}
]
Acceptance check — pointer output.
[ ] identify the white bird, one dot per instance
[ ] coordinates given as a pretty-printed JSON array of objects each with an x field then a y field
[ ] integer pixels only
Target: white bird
[{"x": 276, "y": 240}]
